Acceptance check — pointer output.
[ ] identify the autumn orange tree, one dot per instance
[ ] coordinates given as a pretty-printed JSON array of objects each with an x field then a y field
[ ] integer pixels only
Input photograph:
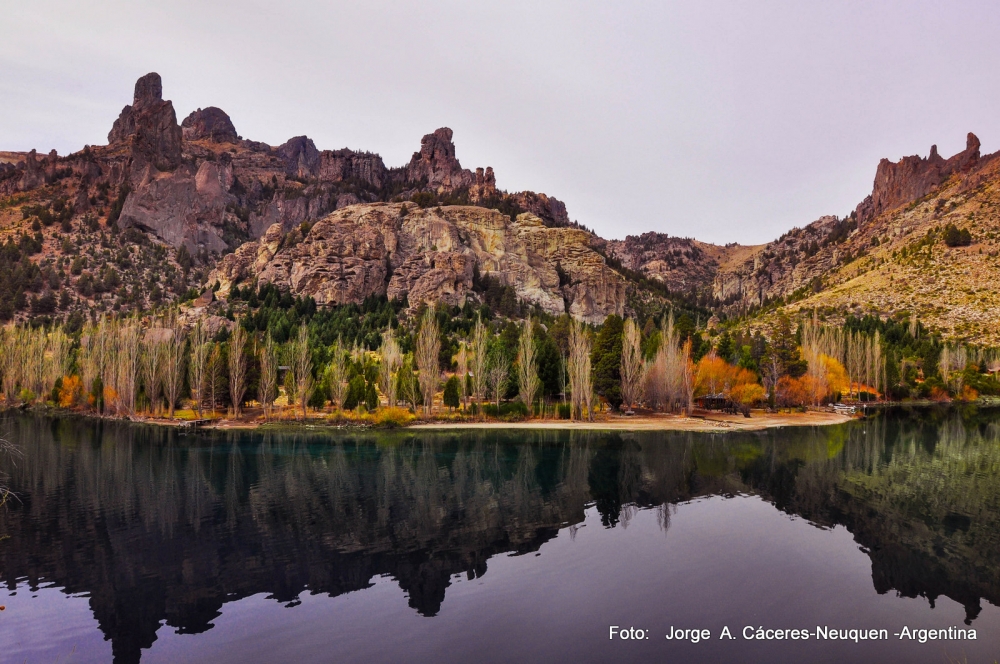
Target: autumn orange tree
[{"x": 713, "y": 375}]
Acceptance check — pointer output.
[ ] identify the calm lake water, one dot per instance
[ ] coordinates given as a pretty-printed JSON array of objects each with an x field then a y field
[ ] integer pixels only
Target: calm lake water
[{"x": 134, "y": 543}]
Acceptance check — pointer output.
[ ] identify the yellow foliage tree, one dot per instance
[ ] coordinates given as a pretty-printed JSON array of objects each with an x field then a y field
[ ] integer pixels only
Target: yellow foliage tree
[
  {"x": 712, "y": 375},
  {"x": 836, "y": 376},
  {"x": 70, "y": 392}
]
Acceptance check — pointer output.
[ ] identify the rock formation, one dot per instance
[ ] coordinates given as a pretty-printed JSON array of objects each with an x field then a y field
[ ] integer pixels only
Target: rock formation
[
  {"x": 149, "y": 126},
  {"x": 899, "y": 183},
  {"x": 431, "y": 255},
  {"x": 209, "y": 124},
  {"x": 436, "y": 164}
]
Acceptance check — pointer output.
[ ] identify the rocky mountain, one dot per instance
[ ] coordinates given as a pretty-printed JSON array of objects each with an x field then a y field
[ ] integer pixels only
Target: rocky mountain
[
  {"x": 148, "y": 216},
  {"x": 889, "y": 257},
  {"x": 198, "y": 191}
]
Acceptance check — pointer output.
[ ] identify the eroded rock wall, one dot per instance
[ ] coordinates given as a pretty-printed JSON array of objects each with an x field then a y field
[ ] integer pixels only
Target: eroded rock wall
[{"x": 431, "y": 255}]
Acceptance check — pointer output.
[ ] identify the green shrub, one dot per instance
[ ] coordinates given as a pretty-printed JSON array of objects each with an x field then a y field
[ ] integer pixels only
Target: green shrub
[
  {"x": 957, "y": 237},
  {"x": 507, "y": 410}
]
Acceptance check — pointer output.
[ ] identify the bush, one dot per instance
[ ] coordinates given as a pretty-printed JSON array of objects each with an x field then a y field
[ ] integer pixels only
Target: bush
[
  {"x": 392, "y": 417},
  {"x": 513, "y": 410},
  {"x": 564, "y": 411},
  {"x": 957, "y": 237}
]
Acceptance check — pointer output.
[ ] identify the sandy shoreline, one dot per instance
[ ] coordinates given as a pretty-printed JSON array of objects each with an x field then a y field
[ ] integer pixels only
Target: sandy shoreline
[
  {"x": 710, "y": 422},
  {"x": 702, "y": 421}
]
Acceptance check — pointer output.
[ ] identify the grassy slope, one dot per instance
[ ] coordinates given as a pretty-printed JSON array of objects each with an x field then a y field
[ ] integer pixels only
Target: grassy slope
[{"x": 953, "y": 289}]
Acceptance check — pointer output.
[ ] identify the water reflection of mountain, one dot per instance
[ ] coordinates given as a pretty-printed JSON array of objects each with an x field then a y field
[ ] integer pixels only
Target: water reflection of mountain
[{"x": 158, "y": 526}]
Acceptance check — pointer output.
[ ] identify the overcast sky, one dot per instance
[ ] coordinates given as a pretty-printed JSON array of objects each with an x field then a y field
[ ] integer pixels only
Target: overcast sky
[{"x": 724, "y": 121}]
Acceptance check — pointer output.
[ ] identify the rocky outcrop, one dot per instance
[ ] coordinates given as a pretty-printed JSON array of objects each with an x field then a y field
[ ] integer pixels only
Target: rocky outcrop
[
  {"x": 484, "y": 186},
  {"x": 209, "y": 124},
  {"x": 199, "y": 185},
  {"x": 300, "y": 156},
  {"x": 346, "y": 165},
  {"x": 247, "y": 261},
  {"x": 37, "y": 172},
  {"x": 436, "y": 163},
  {"x": 431, "y": 255},
  {"x": 149, "y": 126},
  {"x": 682, "y": 264},
  {"x": 550, "y": 210},
  {"x": 899, "y": 183}
]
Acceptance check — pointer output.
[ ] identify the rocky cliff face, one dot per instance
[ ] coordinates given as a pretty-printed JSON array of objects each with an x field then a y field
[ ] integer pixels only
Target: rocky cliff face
[
  {"x": 431, "y": 255},
  {"x": 899, "y": 183},
  {"x": 779, "y": 268},
  {"x": 200, "y": 186}
]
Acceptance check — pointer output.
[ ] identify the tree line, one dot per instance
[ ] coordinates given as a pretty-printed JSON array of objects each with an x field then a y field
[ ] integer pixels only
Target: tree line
[{"x": 284, "y": 354}]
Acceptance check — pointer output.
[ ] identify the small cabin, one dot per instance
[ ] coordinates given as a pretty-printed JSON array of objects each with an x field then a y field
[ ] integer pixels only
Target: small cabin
[{"x": 716, "y": 402}]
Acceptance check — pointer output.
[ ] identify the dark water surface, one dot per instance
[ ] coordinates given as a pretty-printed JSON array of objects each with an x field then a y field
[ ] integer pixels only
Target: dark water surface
[{"x": 134, "y": 543}]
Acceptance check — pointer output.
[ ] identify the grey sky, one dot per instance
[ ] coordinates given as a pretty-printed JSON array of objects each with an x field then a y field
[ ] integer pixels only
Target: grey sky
[{"x": 725, "y": 121}]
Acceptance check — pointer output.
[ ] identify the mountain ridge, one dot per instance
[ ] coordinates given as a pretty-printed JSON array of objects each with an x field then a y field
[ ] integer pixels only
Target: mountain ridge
[{"x": 200, "y": 191}]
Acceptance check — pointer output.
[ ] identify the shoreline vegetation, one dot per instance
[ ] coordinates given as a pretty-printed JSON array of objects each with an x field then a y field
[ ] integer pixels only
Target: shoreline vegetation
[{"x": 383, "y": 364}]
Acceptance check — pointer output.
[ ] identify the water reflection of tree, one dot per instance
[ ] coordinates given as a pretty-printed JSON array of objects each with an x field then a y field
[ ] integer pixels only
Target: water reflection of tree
[{"x": 158, "y": 526}]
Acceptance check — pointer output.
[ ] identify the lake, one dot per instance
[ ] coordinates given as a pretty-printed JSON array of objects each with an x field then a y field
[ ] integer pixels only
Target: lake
[{"x": 131, "y": 543}]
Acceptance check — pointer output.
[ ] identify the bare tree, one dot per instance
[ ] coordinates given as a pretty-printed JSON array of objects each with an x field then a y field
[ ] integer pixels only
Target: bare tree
[
  {"x": 408, "y": 385},
  {"x": 687, "y": 377},
  {"x": 34, "y": 366},
  {"x": 302, "y": 366},
  {"x": 772, "y": 371},
  {"x": 152, "y": 367},
  {"x": 427, "y": 351},
  {"x": 268, "y": 385},
  {"x": 198, "y": 367},
  {"x": 633, "y": 366},
  {"x": 128, "y": 360},
  {"x": 90, "y": 357},
  {"x": 496, "y": 375},
  {"x": 216, "y": 378},
  {"x": 479, "y": 360},
  {"x": 13, "y": 361},
  {"x": 580, "y": 381},
  {"x": 878, "y": 369},
  {"x": 173, "y": 375},
  {"x": 527, "y": 369},
  {"x": 237, "y": 368},
  {"x": 462, "y": 362},
  {"x": 58, "y": 359},
  {"x": 336, "y": 373},
  {"x": 391, "y": 359}
]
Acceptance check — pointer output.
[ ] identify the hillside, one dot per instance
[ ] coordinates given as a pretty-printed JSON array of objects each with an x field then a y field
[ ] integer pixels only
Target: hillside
[{"x": 890, "y": 257}]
